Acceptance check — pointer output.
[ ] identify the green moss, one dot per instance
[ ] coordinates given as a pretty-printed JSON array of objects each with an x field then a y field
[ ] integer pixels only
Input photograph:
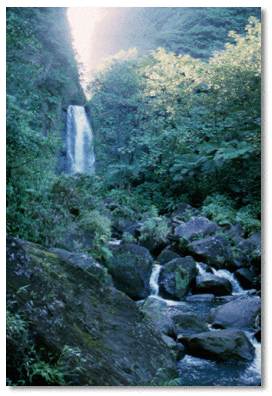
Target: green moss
[{"x": 182, "y": 278}]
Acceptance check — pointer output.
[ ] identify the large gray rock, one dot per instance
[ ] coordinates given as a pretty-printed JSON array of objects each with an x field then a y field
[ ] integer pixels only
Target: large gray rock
[
  {"x": 213, "y": 250},
  {"x": 166, "y": 256},
  {"x": 240, "y": 313},
  {"x": 220, "y": 345},
  {"x": 176, "y": 277},
  {"x": 185, "y": 211},
  {"x": 189, "y": 323},
  {"x": 212, "y": 284},
  {"x": 252, "y": 243},
  {"x": 130, "y": 267},
  {"x": 157, "y": 311},
  {"x": 196, "y": 227},
  {"x": 84, "y": 261},
  {"x": 65, "y": 305},
  {"x": 245, "y": 278}
]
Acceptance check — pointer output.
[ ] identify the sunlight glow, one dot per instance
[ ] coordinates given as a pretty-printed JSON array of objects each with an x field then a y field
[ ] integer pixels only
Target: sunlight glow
[{"x": 82, "y": 21}]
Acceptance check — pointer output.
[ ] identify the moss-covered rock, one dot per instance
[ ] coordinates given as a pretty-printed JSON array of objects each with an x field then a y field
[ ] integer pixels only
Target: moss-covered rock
[
  {"x": 176, "y": 277},
  {"x": 130, "y": 268},
  {"x": 64, "y": 304}
]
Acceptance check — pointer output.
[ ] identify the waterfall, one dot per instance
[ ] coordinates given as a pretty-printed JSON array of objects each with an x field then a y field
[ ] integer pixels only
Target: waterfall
[
  {"x": 236, "y": 288},
  {"x": 222, "y": 273},
  {"x": 154, "y": 287},
  {"x": 79, "y": 138}
]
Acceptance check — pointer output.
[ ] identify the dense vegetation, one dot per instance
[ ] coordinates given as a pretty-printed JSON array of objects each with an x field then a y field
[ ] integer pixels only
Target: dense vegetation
[
  {"x": 42, "y": 78},
  {"x": 173, "y": 128},
  {"x": 168, "y": 127}
]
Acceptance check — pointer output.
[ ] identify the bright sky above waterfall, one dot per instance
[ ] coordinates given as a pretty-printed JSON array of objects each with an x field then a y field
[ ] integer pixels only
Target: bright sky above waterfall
[{"x": 82, "y": 21}]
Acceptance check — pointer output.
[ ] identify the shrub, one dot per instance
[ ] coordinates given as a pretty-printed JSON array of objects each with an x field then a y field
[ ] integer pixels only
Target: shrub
[
  {"x": 24, "y": 363},
  {"x": 100, "y": 226},
  {"x": 219, "y": 208},
  {"x": 155, "y": 227}
]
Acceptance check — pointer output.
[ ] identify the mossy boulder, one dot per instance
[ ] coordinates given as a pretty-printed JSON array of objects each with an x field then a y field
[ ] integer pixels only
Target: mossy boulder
[
  {"x": 213, "y": 250},
  {"x": 176, "y": 277},
  {"x": 196, "y": 227},
  {"x": 130, "y": 268},
  {"x": 65, "y": 305}
]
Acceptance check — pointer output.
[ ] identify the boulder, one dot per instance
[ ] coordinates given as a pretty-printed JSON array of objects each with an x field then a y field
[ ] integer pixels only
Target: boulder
[
  {"x": 189, "y": 323},
  {"x": 176, "y": 277},
  {"x": 65, "y": 305},
  {"x": 166, "y": 256},
  {"x": 220, "y": 345},
  {"x": 200, "y": 298},
  {"x": 212, "y": 284},
  {"x": 250, "y": 244},
  {"x": 130, "y": 267},
  {"x": 184, "y": 211},
  {"x": 245, "y": 278},
  {"x": 213, "y": 250},
  {"x": 178, "y": 349},
  {"x": 156, "y": 311},
  {"x": 236, "y": 230},
  {"x": 196, "y": 227},
  {"x": 240, "y": 313},
  {"x": 84, "y": 261}
]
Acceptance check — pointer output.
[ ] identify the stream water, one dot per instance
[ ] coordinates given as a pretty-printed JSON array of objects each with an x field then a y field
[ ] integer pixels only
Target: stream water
[{"x": 201, "y": 372}]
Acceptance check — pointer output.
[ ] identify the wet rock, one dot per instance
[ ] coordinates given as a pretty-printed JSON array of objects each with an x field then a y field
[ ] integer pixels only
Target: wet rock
[
  {"x": 258, "y": 335},
  {"x": 189, "y": 323},
  {"x": 245, "y": 278},
  {"x": 130, "y": 268},
  {"x": 178, "y": 349},
  {"x": 176, "y": 277},
  {"x": 220, "y": 345},
  {"x": 156, "y": 311},
  {"x": 166, "y": 256},
  {"x": 212, "y": 284},
  {"x": 64, "y": 305},
  {"x": 196, "y": 227},
  {"x": 200, "y": 297},
  {"x": 240, "y": 313},
  {"x": 213, "y": 250}
]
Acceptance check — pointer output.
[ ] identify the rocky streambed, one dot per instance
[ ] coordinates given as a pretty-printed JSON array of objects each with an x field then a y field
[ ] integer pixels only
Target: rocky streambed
[{"x": 186, "y": 307}]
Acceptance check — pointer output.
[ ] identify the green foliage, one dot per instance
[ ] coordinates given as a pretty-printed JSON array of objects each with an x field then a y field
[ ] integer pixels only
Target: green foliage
[
  {"x": 95, "y": 223},
  {"x": 219, "y": 208},
  {"x": 42, "y": 77},
  {"x": 28, "y": 364},
  {"x": 247, "y": 216},
  {"x": 181, "y": 126},
  {"x": 155, "y": 228},
  {"x": 223, "y": 210}
]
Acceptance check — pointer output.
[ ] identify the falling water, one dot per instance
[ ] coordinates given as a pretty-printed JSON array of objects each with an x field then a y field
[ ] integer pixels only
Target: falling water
[
  {"x": 154, "y": 287},
  {"x": 80, "y": 150},
  {"x": 236, "y": 288}
]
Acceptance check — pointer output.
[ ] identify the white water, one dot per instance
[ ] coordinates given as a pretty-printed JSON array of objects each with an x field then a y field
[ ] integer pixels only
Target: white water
[
  {"x": 236, "y": 288},
  {"x": 201, "y": 372},
  {"x": 223, "y": 273},
  {"x": 154, "y": 287},
  {"x": 80, "y": 150}
]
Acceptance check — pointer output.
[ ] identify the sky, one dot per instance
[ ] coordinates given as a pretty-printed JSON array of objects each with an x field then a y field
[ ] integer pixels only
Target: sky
[{"x": 82, "y": 21}]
